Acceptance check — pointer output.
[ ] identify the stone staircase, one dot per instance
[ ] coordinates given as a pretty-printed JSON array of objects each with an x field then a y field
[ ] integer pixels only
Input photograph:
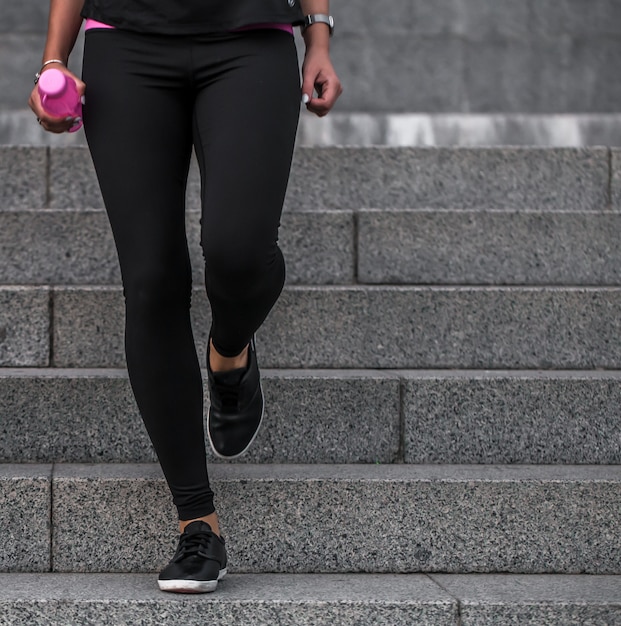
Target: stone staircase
[{"x": 442, "y": 443}]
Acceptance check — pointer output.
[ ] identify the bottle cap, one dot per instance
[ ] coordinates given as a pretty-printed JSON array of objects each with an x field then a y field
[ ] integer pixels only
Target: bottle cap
[{"x": 52, "y": 82}]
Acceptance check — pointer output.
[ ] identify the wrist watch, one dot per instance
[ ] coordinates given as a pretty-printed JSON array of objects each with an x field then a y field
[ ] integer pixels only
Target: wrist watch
[{"x": 319, "y": 18}]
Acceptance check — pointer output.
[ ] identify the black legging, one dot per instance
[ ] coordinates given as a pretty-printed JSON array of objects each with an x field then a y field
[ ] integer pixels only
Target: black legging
[{"x": 149, "y": 99}]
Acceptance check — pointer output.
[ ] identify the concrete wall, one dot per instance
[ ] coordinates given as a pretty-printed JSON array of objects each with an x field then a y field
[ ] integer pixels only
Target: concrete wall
[{"x": 510, "y": 56}]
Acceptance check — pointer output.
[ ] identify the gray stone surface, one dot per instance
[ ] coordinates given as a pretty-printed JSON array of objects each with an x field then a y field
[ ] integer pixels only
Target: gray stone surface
[
  {"x": 24, "y": 326},
  {"x": 447, "y": 129},
  {"x": 16, "y": 80},
  {"x": 443, "y": 327},
  {"x": 25, "y": 501},
  {"x": 499, "y": 600},
  {"x": 73, "y": 183},
  {"x": 324, "y": 518},
  {"x": 23, "y": 45},
  {"x": 450, "y": 55},
  {"x": 512, "y": 417},
  {"x": 343, "y": 128},
  {"x": 395, "y": 178},
  {"x": 328, "y": 417},
  {"x": 319, "y": 247},
  {"x": 485, "y": 247},
  {"x": 261, "y": 600},
  {"x": 57, "y": 247},
  {"x": 88, "y": 497},
  {"x": 67, "y": 247},
  {"x": 23, "y": 177},
  {"x": 383, "y": 327},
  {"x": 450, "y": 178},
  {"x": 23, "y": 17},
  {"x": 508, "y": 56},
  {"x": 90, "y": 416},
  {"x": 55, "y": 415},
  {"x": 616, "y": 178},
  {"x": 89, "y": 326}
]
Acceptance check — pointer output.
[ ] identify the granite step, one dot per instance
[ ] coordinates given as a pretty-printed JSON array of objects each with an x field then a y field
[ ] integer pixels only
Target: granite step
[
  {"x": 75, "y": 247},
  {"x": 89, "y": 416},
  {"x": 377, "y": 246},
  {"x": 344, "y": 327},
  {"x": 336, "y": 416},
  {"x": 352, "y": 178},
  {"x": 317, "y": 599},
  {"x": 473, "y": 247},
  {"x": 323, "y": 518}
]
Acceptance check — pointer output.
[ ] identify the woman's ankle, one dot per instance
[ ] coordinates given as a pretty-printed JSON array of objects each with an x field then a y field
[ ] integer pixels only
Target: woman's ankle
[
  {"x": 219, "y": 363},
  {"x": 211, "y": 519}
]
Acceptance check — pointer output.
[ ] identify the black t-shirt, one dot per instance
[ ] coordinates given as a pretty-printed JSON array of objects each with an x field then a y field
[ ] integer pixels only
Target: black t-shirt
[{"x": 185, "y": 17}]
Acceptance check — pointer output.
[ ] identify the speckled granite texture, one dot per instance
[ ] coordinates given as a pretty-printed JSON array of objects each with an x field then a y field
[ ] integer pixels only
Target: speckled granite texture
[
  {"x": 382, "y": 327},
  {"x": 489, "y": 247},
  {"x": 347, "y": 178},
  {"x": 506, "y": 600},
  {"x": 258, "y": 600},
  {"x": 336, "y": 416},
  {"x": 23, "y": 177},
  {"x": 25, "y": 501},
  {"x": 616, "y": 178},
  {"x": 63, "y": 246},
  {"x": 451, "y": 178},
  {"x": 24, "y": 326},
  {"x": 48, "y": 246},
  {"x": 90, "y": 416},
  {"x": 512, "y": 417},
  {"x": 313, "y": 600},
  {"x": 324, "y": 518}
]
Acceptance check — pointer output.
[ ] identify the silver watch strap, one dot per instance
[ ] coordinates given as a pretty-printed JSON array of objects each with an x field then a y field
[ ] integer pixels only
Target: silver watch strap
[{"x": 319, "y": 18}]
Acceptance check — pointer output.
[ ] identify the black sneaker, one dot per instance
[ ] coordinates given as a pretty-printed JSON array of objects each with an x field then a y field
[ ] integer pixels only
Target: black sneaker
[
  {"x": 236, "y": 409},
  {"x": 198, "y": 564}
]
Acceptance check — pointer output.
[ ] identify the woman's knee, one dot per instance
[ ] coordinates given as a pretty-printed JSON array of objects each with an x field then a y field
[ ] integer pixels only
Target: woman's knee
[{"x": 240, "y": 265}]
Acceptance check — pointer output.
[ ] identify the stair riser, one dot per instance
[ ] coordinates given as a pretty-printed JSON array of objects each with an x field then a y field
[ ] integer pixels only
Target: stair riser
[
  {"x": 193, "y": 611},
  {"x": 556, "y": 179},
  {"x": 25, "y": 507},
  {"x": 381, "y": 328},
  {"x": 76, "y": 247},
  {"x": 528, "y": 417},
  {"x": 336, "y": 417},
  {"x": 89, "y": 419},
  {"x": 321, "y": 519},
  {"x": 393, "y": 247},
  {"x": 313, "y": 600},
  {"x": 487, "y": 248},
  {"x": 400, "y": 327}
]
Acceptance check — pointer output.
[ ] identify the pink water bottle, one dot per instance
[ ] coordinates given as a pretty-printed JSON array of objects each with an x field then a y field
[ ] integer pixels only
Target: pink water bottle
[{"x": 59, "y": 96}]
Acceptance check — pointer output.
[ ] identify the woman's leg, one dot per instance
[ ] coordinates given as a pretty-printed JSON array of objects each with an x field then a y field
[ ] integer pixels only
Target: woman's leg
[
  {"x": 138, "y": 121},
  {"x": 245, "y": 121}
]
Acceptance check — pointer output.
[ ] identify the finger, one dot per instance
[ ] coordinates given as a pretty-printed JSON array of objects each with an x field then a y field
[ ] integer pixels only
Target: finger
[
  {"x": 308, "y": 87},
  {"x": 57, "y": 126},
  {"x": 328, "y": 93}
]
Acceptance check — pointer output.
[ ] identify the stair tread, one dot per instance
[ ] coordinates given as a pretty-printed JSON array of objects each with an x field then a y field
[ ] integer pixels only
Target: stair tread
[{"x": 317, "y": 599}]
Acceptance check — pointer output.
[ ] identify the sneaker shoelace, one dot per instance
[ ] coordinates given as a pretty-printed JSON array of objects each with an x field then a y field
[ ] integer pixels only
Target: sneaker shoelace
[
  {"x": 228, "y": 394},
  {"x": 194, "y": 544}
]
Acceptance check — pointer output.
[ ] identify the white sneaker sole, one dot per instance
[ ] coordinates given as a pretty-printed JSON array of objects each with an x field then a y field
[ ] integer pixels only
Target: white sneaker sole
[{"x": 191, "y": 586}]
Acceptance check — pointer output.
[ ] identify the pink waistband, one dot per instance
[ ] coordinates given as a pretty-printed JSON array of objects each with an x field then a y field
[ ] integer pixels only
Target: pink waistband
[
  {"x": 286, "y": 27},
  {"x": 95, "y": 24}
]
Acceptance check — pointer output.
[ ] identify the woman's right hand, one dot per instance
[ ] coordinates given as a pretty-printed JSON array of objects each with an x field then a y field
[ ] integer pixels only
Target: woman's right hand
[{"x": 49, "y": 122}]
